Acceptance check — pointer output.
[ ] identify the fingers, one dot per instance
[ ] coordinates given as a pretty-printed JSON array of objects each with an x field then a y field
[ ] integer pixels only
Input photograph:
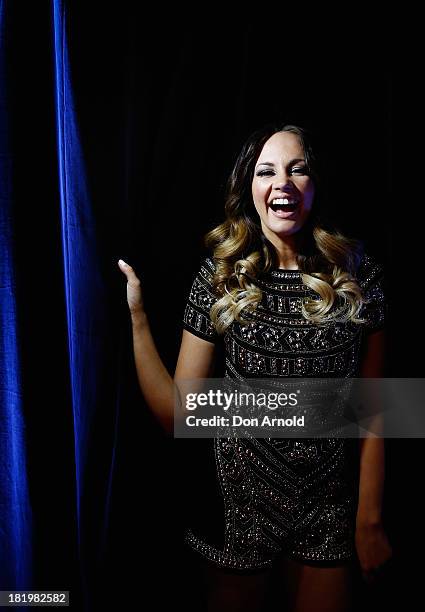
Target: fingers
[
  {"x": 129, "y": 272},
  {"x": 123, "y": 265},
  {"x": 376, "y": 573}
]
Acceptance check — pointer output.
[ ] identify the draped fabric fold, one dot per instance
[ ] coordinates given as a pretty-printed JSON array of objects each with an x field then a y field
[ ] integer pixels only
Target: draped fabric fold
[
  {"x": 86, "y": 299},
  {"x": 15, "y": 509}
]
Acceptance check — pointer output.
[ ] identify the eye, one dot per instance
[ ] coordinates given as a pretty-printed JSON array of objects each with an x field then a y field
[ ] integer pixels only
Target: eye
[
  {"x": 265, "y": 173},
  {"x": 299, "y": 170}
]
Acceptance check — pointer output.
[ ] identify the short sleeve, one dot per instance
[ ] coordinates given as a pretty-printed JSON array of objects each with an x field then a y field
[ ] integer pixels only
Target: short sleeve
[
  {"x": 370, "y": 277},
  {"x": 196, "y": 318}
]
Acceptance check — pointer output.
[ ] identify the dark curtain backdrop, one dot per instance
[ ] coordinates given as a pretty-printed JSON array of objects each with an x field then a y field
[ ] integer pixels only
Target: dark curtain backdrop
[{"x": 118, "y": 134}]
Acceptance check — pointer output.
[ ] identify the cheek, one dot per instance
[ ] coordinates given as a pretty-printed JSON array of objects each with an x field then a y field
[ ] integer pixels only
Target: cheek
[{"x": 258, "y": 195}]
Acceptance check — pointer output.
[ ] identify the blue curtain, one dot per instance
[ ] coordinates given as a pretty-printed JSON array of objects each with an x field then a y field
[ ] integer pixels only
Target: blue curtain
[
  {"x": 15, "y": 510},
  {"x": 84, "y": 289},
  {"x": 91, "y": 368},
  {"x": 85, "y": 294}
]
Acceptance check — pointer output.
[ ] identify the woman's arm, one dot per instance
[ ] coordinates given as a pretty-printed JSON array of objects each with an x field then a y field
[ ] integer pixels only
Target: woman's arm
[
  {"x": 372, "y": 460},
  {"x": 195, "y": 360},
  {"x": 372, "y": 544}
]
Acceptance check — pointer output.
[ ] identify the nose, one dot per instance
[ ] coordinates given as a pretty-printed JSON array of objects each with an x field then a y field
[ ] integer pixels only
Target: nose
[{"x": 284, "y": 185}]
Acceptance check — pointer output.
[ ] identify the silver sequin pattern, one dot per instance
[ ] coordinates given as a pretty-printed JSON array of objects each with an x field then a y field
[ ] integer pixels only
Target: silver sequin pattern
[{"x": 292, "y": 496}]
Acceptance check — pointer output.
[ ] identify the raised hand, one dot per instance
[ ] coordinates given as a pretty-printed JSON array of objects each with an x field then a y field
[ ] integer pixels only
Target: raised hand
[{"x": 134, "y": 289}]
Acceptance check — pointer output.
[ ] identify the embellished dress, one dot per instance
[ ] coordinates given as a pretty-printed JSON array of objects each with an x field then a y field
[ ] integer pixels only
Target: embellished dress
[{"x": 261, "y": 498}]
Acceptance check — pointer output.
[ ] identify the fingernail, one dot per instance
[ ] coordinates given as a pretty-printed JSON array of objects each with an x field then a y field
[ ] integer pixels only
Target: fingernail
[{"x": 122, "y": 262}]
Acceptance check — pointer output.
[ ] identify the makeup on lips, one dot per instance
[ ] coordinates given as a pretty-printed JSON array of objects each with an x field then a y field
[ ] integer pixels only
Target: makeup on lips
[{"x": 284, "y": 207}]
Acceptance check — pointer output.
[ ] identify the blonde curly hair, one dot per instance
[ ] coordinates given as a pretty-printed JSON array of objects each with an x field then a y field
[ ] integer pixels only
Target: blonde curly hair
[{"x": 327, "y": 259}]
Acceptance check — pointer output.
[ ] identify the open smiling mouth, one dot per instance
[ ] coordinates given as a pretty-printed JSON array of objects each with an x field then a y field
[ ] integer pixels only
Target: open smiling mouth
[{"x": 284, "y": 204}]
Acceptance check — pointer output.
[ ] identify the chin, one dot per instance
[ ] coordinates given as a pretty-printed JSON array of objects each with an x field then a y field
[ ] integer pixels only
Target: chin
[{"x": 284, "y": 227}]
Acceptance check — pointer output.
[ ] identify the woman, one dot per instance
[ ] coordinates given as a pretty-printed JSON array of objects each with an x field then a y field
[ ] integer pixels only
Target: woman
[{"x": 291, "y": 299}]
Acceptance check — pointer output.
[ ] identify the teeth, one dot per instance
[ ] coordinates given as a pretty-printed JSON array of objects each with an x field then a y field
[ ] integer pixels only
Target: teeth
[{"x": 283, "y": 201}]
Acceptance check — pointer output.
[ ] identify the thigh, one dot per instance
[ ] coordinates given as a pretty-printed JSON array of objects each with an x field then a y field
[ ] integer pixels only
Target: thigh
[
  {"x": 316, "y": 588},
  {"x": 228, "y": 591}
]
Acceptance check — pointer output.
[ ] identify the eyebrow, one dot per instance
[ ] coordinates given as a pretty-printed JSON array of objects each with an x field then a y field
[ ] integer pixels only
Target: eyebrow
[{"x": 293, "y": 161}]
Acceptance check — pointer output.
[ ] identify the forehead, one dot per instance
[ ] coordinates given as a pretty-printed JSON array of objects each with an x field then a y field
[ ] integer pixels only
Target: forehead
[{"x": 282, "y": 145}]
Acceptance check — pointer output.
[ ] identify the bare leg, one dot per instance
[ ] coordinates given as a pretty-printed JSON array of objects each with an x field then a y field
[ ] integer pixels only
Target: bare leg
[
  {"x": 232, "y": 592},
  {"x": 317, "y": 589}
]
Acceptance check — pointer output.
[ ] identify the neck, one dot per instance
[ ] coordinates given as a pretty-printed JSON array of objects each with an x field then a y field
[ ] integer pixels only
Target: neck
[{"x": 285, "y": 247}]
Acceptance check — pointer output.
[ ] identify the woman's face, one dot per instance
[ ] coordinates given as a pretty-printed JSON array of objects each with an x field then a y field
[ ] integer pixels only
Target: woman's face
[{"x": 282, "y": 190}]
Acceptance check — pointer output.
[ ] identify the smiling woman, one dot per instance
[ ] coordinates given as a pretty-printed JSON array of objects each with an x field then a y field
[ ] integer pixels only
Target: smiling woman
[
  {"x": 271, "y": 222},
  {"x": 282, "y": 188},
  {"x": 289, "y": 299}
]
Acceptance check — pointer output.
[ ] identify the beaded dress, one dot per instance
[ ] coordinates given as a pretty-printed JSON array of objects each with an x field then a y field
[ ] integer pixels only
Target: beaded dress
[{"x": 260, "y": 498}]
